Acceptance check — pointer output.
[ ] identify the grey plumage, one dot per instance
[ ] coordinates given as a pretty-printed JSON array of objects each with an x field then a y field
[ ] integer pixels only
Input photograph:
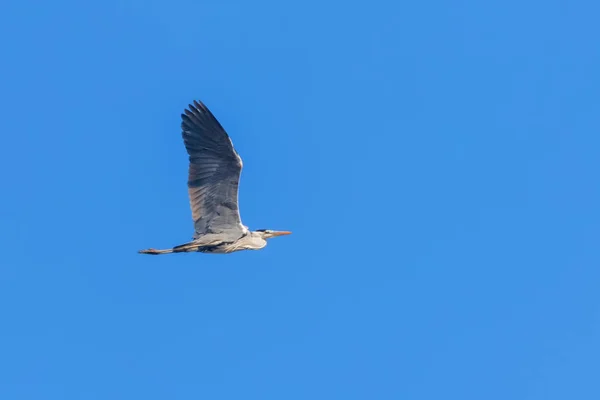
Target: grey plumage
[
  {"x": 214, "y": 174},
  {"x": 213, "y": 181}
]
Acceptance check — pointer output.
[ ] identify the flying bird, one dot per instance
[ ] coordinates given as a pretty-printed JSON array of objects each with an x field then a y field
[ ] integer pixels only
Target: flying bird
[{"x": 213, "y": 179}]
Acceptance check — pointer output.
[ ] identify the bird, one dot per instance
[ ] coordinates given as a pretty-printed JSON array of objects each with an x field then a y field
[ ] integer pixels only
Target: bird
[{"x": 213, "y": 180}]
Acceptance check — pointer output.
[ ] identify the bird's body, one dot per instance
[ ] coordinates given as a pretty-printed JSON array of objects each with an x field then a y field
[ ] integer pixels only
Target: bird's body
[
  {"x": 212, "y": 243},
  {"x": 213, "y": 181}
]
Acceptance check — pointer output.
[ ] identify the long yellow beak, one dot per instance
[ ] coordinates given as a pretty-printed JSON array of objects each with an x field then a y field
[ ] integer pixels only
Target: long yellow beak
[{"x": 280, "y": 233}]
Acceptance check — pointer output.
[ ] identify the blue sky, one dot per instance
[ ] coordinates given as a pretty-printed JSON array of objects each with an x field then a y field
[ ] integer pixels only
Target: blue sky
[{"x": 436, "y": 161}]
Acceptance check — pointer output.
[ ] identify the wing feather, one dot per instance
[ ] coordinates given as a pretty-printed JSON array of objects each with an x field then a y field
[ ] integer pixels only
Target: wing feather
[{"x": 214, "y": 173}]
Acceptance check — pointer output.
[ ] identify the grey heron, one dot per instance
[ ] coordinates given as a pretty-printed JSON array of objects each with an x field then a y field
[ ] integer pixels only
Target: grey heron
[{"x": 213, "y": 179}]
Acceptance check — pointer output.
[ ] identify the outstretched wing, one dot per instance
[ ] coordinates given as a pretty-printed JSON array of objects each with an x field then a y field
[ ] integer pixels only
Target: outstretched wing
[{"x": 214, "y": 173}]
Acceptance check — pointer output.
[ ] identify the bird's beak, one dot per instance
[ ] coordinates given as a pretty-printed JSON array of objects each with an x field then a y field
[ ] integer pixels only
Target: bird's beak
[{"x": 280, "y": 233}]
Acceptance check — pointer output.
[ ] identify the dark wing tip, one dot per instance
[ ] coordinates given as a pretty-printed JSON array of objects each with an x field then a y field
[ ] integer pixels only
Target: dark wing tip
[
  {"x": 193, "y": 115},
  {"x": 198, "y": 107},
  {"x": 199, "y": 104},
  {"x": 197, "y": 112},
  {"x": 200, "y": 129}
]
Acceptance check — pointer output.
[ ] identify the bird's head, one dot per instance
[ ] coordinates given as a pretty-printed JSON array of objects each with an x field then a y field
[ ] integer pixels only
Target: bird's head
[{"x": 267, "y": 233}]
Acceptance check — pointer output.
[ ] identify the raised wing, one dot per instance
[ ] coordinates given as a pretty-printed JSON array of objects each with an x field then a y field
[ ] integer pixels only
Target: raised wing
[{"x": 214, "y": 173}]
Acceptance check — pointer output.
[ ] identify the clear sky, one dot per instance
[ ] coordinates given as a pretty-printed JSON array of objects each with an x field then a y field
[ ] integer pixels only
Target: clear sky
[{"x": 436, "y": 161}]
